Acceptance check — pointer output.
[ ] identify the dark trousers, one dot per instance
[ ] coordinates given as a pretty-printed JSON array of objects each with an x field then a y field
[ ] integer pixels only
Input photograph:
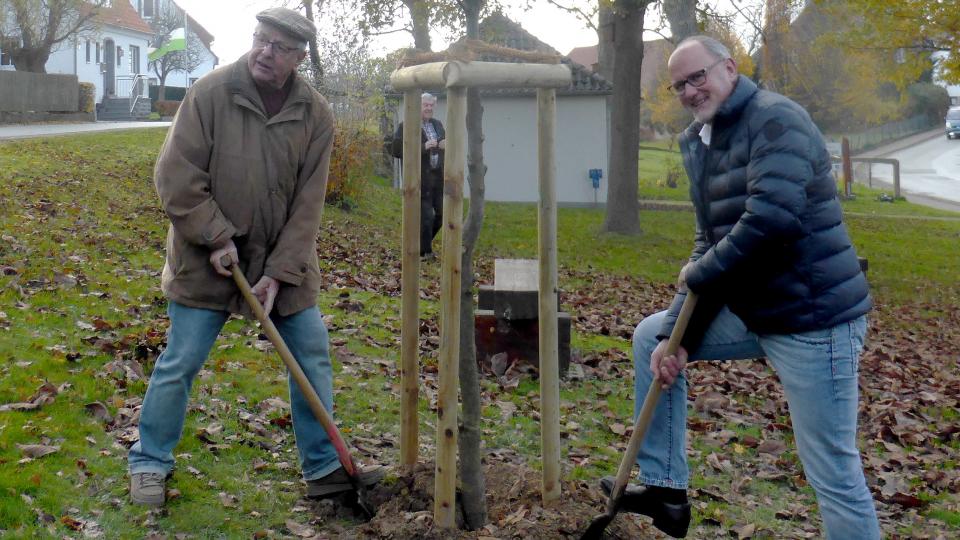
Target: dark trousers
[{"x": 431, "y": 216}]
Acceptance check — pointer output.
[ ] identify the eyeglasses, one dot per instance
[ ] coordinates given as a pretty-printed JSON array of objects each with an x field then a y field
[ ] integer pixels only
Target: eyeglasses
[
  {"x": 697, "y": 79},
  {"x": 261, "y": 42}
]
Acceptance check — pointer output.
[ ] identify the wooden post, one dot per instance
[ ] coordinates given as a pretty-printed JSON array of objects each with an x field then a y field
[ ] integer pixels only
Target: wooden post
[
  {"x": 444, "y": 503},
  {"x": 847, "y": 167},
  {"x": 549, "y": 353},
  {"x": 410, "y": 285},
  {"x": 896, "y": 178}
]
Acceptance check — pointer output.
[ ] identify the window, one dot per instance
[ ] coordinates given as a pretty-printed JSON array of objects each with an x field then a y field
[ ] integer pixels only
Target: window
[
  {"x": 119, "y": 55},
  {"x": 5, "y": 58},
  {"x": 134, "y": 59},
  {"x": 98, "y": 52},
  {"x": 88, "y": 51},
  {"x": 146, "y": 8}
]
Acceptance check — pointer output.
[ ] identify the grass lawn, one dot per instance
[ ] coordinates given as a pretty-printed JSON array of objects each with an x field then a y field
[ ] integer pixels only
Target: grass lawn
[{"x": 82, "y": 320}]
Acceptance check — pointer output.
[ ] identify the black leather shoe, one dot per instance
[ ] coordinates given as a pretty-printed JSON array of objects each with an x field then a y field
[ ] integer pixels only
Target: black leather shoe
[
  {"x": 672, "y": 519},
  {"x": 338, "y": 482}
]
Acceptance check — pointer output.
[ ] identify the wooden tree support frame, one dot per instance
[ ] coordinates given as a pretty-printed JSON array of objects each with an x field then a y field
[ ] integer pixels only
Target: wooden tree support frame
[{"x": 455, "y": 77}]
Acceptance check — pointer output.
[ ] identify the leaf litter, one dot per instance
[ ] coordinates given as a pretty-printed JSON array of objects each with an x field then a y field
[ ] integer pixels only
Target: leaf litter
[{"x": 908, "y": 380}]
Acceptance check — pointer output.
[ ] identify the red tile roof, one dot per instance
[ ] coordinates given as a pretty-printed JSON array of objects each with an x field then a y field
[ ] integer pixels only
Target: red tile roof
[
  {"x": 122, "y": 15},
  {"x": 655, "y": 54}
]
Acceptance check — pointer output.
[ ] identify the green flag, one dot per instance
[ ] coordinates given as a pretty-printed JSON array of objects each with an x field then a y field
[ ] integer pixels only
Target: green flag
[{"x": 177, "y": 42}]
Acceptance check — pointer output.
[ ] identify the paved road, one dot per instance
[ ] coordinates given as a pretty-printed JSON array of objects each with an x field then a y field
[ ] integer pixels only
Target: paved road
[
  {"x": 25, "y": 131},
  {"x": 929, "y": 169}
]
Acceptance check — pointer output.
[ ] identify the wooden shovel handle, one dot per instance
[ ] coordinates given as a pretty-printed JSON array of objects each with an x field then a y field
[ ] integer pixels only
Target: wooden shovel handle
[
  {"x": 649, "y": 405},
  {"x": 298, "y": 375}
]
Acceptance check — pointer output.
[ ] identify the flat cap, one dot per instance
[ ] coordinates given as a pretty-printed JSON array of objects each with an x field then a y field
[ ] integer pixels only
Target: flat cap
[{"x": 289, "y": 21}]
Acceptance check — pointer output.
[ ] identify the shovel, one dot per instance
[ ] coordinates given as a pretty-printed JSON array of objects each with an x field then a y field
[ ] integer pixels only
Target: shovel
[
  {"x": 307, "y": 389},
  {"x": 599, "y": 523}
]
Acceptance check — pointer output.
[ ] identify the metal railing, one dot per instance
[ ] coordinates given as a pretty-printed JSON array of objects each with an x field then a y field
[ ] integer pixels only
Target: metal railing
[
  {"x": 895, "y": 163},
  {"x": 133, "y": 87}
]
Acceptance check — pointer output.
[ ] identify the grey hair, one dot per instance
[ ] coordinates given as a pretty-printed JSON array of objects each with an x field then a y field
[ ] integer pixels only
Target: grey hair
[
  {"x": 715, "y": 48},
  {"x": 427, "y": 96}
]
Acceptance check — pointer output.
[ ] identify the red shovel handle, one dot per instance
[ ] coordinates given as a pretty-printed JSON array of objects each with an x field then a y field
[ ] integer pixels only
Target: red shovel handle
[{"x": 298, "y": 375}]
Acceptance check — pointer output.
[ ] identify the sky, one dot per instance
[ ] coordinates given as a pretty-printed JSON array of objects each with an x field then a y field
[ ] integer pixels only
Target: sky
[{"x": 232, "y": 23}]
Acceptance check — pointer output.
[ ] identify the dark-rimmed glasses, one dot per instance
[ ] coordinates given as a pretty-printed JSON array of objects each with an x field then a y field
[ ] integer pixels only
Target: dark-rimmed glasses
[
  {"x": 696, "y": 79},
  {"x": 261, "y": 42}
]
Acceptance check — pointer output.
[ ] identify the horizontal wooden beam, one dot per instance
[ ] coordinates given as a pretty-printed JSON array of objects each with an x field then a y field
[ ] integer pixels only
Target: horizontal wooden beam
[{"x": 481, "y": 75}]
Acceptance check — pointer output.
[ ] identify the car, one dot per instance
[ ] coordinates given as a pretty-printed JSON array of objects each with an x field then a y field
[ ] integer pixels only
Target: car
[{"x": 952, "y": 122}]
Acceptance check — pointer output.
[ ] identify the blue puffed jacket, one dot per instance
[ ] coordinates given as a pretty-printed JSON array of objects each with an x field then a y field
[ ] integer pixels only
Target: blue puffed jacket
[{"x": 770, "y": 242}]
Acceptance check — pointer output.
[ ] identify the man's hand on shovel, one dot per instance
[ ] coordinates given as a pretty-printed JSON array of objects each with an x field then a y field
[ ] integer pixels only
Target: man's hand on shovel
[
  {"x": 266, "y": 288},
  {"x": 667, "y": 367},
  {"x": 224, "y": 257},
  {"x": 266, "y": 292}
]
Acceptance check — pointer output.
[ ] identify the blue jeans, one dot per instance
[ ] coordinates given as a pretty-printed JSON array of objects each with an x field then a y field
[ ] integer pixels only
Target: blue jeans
[
  {"x": 818, "y": 370},
  {"x": 189, "y": 340}
]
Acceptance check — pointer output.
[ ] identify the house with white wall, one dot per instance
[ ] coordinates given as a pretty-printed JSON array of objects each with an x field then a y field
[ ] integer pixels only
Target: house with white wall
[
  {"x": 510, "y": 128},
  {"x": 112, "y": 55}
]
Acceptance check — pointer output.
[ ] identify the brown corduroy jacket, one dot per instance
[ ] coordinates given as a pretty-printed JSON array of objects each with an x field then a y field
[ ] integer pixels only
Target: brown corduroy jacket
[{"x": 227, "y": 171}]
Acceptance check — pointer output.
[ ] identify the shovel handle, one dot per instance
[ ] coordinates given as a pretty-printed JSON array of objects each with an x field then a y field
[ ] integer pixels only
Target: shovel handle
[
  {"x": 642, "y": 423},
  {"x": 323, "y": 416}
]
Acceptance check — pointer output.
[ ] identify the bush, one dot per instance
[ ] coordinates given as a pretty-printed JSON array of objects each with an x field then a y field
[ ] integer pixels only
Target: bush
[
  {"x": 166, "y": 108},
  {"x": 928, "y": 99},
  {"x": 87, "y": 97},
  {"x": 351, "y": 162},
  {"x": 170, "y": 93}
]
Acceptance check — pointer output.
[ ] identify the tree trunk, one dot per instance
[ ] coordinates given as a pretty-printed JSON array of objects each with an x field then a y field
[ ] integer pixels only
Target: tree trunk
[
  {"x": 472, "y": 480},
  {"x": 682, "y": 16},
  {"x": 420, "y": 19},
  {"x": 314, "y": 50},
  {"x": 605, "y": 51},
  {"x": 623, "y": 208},
  {"x": 32, "y": 60}
]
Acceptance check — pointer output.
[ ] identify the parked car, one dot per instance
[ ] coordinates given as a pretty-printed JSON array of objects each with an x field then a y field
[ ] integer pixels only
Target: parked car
[{"x": 953, "y": 122}]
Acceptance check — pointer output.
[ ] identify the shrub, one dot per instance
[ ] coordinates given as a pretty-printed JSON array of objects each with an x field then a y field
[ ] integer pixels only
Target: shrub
[
  {"x": 166, "y": 108},
  {"x": 351, "y": 161},
  {"x": 87, "y": 94},
  {"x": 929, "y": 99}
]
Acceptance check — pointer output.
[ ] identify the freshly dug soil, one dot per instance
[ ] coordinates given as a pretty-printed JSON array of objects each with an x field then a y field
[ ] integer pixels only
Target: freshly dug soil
[{"x": 405, "y": 509}]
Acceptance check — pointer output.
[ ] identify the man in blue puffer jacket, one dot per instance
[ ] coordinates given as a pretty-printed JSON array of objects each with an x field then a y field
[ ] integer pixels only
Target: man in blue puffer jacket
[{"x": 777, "y": 277}]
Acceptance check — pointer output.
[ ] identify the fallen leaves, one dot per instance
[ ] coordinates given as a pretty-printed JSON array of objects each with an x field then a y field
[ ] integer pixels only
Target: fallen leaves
[
  {"x": 44, "y": 395},
  {"x": 36, "y": 451}
]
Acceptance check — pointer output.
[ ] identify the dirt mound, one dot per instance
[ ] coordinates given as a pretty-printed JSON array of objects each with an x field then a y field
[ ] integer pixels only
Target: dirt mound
[{"x": 515, "y": 510}]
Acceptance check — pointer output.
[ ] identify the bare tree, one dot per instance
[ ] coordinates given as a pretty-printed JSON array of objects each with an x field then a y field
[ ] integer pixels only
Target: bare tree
[
  {"x": 316, "y": 69},
  {"x": 472, "y": 477},
  {"x": 29, "y": 29},
  {"x": 167, "y": 19}
]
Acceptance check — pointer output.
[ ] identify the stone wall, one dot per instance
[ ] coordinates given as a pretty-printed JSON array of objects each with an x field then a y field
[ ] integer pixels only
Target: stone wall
[{"x": 33, "y": 97}]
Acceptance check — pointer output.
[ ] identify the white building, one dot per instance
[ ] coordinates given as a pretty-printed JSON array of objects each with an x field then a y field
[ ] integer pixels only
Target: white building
[
  {"x": 510, "y": 129},
  {"x": 113, "y": 57}
]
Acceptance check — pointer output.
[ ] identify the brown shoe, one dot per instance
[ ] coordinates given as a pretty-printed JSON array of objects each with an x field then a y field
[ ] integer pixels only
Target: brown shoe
[
  {"x": 148, "y": 488},
  {"x": 338, "y": 482}
]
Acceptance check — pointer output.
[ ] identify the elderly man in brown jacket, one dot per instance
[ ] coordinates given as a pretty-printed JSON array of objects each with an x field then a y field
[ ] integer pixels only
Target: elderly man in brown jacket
[{"x": 242, "y": 176}]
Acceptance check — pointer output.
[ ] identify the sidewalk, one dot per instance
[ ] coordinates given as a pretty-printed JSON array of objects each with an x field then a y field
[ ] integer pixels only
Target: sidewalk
[
  {"x": 900, "y": 144},
  {"x": 25, "y": 131}
]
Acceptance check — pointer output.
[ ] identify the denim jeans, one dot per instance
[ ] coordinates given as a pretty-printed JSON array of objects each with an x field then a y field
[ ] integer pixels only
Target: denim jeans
[
  {"x": 818, "y": 370},
  {"x": 189, "y": 340}
]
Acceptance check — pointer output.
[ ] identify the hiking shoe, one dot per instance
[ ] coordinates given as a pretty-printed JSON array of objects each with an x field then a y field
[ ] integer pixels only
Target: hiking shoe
[
  {"x": 148, "y": 488},
  {"x": 672, "y": 519},
  {"x": 338, "y": 482}
]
